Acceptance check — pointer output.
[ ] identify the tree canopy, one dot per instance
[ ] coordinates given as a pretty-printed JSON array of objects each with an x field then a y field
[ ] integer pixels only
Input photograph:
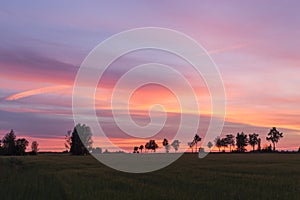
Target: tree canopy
[
  {"x": 241, "y": 142},
  {"x": 274, "y": 136},
  {"x": 13, "y": 146},
  {"x": 80, "y": 140}
]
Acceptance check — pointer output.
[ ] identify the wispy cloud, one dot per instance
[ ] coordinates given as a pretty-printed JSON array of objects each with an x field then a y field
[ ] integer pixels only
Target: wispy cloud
[{"x": 44, "y": 90}]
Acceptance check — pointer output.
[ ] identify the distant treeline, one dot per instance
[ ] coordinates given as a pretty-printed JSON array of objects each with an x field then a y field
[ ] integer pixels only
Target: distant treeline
[
  {"x": 79, "y": 142},
  {"x": 236, "y": 143},
  {"x": 11, "y": 146}
]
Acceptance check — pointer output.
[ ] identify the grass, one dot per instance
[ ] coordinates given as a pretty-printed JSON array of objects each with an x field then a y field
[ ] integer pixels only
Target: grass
[{"x": 218, "y": 176}]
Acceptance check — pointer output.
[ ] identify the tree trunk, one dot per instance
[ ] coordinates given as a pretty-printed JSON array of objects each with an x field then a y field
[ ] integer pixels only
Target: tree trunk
[{"x": 274, "y": 146}]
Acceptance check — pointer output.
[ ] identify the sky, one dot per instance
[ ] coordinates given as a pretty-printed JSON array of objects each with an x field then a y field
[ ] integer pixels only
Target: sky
[{"x": 255, "y": 45}]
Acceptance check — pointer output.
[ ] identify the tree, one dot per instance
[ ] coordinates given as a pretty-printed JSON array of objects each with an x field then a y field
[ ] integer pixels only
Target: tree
[
  {"x": 241, "y": 142},
  {"x": 197, "y": 139},
  {"x": 224, "y": 143},
  {"x": 20, "y": 146},
  {"x": 165, "y": 143},
  {"x": 34, "y": 147},
  {"x": 175, "y": 144},
  {"x": 230, "y": 141},
  {"x": 80, "y": 140},
  {"x": 141, "y": 148},
  {"x": 259, "y": 145},
  {"x": 147, "y": 146},
  {"x": 218, "y": 143},
  {"x": 1, "y": 148},
  {"x": 135, "y": 149},
  {"x": 267, "y": 148},
  {"x": 68, "y": 137},
  {"x": 191, "y": 145},
  {"x": 253, "y": 140},
  {"x": 168, "y": 147},
  {"x": 9, "y": 143},
  {"x": 151, "y": 145},
  {"x": 274, "y": 136},
  {"x": 210, "y": 145}
]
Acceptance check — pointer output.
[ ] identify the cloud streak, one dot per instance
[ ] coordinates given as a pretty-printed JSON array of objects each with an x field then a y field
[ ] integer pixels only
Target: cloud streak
[{"x": 44, "y": 90}]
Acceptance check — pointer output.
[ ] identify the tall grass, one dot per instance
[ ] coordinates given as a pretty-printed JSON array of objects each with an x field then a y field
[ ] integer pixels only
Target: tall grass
[{"x": 218, "y": 176}]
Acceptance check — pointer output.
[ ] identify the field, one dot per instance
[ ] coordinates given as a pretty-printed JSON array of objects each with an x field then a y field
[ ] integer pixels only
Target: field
[{"x": 218, "y": 176}]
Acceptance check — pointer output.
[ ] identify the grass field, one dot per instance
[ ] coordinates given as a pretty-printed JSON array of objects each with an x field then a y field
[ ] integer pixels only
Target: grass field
[{"x": 218, "y": 176}]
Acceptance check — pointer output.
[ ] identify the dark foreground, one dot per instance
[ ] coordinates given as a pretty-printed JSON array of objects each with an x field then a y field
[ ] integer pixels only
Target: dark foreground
[{"x": 218, "y": 176}]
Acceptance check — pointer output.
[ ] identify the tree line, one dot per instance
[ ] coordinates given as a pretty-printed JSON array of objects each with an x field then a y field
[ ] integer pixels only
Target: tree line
[
  {"x": 11, "y": 146},
  {"x": 152, "y": 146},
  {"x": 79, "y": 142},
  {"x": 242, "y": 140},
  {"x": 239, "y": 142}
]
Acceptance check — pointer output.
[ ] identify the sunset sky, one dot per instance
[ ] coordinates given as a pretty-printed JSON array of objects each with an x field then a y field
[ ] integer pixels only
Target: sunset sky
[{"x": 255, "y": 45}]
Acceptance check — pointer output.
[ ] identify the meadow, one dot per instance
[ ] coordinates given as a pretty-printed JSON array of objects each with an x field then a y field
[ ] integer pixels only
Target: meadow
[{"x": 217, "y": 176}]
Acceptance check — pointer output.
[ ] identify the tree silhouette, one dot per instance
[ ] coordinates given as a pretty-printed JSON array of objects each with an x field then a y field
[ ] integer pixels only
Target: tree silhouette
[
  {"x": 191, "y": 145},
  {"x": 80, "y": 140},
  {"x": 218, "y": 143},
  {"x": 267, "y": 148},
  {"x": 147, "y": 146},
  {"x": 34, "y": 147},
  {"x": 8, "y": 141},
  {"x": 20, "y": 146},
  {"x": 11, "y": 146},
  {"x": 230, "y": 141},
  {"x": 135, "y": 149},
  {"x": 141, "y": 148},
  {"x": 253, "y": 140},
  {"x": 165, "y": 143},
  {"x": 241, "y": 142},
  {"x": 68, "y": 140},
  {"x": 274, "y": 136},
  {"x": 210, "y": 145},
  {"x": 224, "y": 143},
  {"x": 1, "y": 148},
  {"x": 175, "y": 144},
  {"x": 151, "y": 145},
  {"x": 259, "y": 144},
  {"x": 197, "y": 139}
]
